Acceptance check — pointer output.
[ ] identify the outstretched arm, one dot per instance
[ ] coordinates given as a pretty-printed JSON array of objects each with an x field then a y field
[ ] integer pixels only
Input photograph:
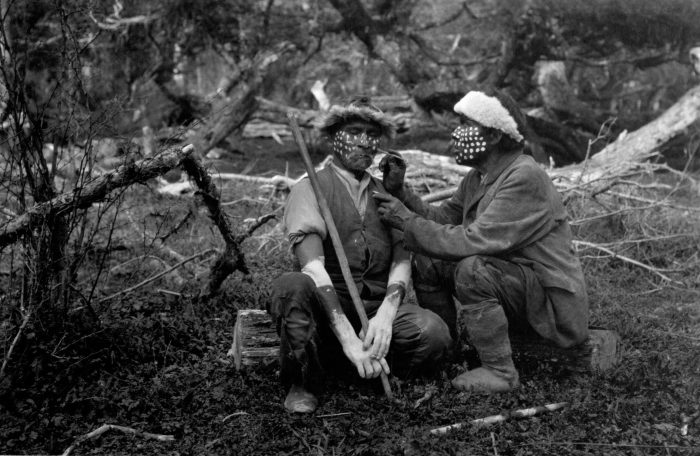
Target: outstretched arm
[
  {"x": 393, "y": 169},
  {"x": 309, "y": 252}
]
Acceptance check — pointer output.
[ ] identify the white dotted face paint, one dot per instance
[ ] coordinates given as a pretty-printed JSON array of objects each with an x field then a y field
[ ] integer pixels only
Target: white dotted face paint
[
  {"x": 356, "y": 144},
  {"x": 468, "y": 144}
]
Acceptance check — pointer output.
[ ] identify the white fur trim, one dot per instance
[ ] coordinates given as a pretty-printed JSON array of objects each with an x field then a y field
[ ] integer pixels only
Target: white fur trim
[
  {"x": 488, "y": 111},
  {"x": 317, "y": 271}
]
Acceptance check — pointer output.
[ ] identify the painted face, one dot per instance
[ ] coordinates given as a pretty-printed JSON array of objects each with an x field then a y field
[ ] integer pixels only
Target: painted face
[
  {"x": 469, "y": 144},
  {"x": 355, "y": 145}
]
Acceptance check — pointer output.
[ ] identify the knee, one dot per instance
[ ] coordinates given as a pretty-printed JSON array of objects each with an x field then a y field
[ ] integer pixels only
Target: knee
[
  {"x": 291, "y": 290},
  {"x": 474, "y": 282},
  {"x": 435, "y": 334}
]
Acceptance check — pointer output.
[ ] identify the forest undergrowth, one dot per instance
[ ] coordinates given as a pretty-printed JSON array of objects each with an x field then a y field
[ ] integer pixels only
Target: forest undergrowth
[{"x": 156, "y": 359}]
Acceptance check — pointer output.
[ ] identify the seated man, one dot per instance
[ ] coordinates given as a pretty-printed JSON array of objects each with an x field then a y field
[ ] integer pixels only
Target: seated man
[
  {"x": 316, "y": 320},
  {"x": 501, "y": 245}
]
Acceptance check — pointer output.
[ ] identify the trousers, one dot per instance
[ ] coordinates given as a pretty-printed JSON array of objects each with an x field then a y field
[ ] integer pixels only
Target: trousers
[
  {"x": 309, "y": 349},
  {"x": 473, "y": 281}
]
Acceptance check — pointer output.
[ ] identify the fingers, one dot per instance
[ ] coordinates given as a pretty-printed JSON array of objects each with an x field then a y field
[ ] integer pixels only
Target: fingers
[
  {"x": 369, "y": 338},
  {"x": 371, "y": 368},
  {"x": 380, "y": 345},
  {"x": 383, "y": 163},
  {"x": 384, "y": 345},
  {"x": 382, "y": 197},
  {"x": 361, "y": 371}
]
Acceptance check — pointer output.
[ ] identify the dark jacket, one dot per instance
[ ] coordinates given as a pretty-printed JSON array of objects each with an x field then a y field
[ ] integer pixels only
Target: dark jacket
[{"x": 515, "y": 214}]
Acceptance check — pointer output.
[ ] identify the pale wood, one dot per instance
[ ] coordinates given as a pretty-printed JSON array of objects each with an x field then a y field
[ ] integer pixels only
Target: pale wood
[
  {"x": 255, "y": 341},
  {"x": 319, "y": 93},
  {"x": 559, "y": 97}
]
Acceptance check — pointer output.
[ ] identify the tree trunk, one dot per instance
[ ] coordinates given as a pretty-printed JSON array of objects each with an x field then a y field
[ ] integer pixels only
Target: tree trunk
[{"x": 559, "y": 98}]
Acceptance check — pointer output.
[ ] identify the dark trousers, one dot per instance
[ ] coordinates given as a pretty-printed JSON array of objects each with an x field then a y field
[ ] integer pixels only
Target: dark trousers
[
  {"x": 476, "y": 280},
  {"x": 309, "y": 348}
]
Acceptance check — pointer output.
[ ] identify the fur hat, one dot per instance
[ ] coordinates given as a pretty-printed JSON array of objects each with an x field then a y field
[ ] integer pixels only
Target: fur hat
[
  {"x": 359, "y": 108},
  {"x": 496, "y": 110}
]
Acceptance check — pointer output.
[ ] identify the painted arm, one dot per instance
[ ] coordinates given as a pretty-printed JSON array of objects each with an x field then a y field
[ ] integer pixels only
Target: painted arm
[
  {"x": 378, "y": 337},
  {"x": 309, "y": 252}
]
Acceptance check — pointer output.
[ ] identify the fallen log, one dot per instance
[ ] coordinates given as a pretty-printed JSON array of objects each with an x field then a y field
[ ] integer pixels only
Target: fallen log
[
  {"x": 619, "y": 158},
  {"x": 255, "y": 342}
]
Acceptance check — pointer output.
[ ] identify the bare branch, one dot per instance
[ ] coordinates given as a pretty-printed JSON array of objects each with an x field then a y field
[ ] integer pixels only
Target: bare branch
[
  {"x": 629, "y": 260},
  {"x": 5, "y": 361},
  {"x": 115, "y": 21},
  {"x": 464, "y": 8},
  {"x": 113, "y": 427},
  {"x": 157, "y": 276}
]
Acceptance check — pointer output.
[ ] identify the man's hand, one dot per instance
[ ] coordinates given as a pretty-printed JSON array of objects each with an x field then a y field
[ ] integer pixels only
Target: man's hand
[
  {"x": 392, "y": 211},
  {"x": 393, "y": 168},
  {"x": 378, "y": 337},
  {"x": 366, "y": 365}
]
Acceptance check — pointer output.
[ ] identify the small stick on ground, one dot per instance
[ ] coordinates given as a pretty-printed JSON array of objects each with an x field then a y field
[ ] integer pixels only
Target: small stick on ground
[
  {"x": 25, "y": 320},
  {"x": 156, "y": 277},
  {"x": 493, "y": 419},
  {"x": 429, "y": 393},
  {"x": 113, "y": 427},
  {"x": 232, "y": 415},
  {"x": 334, "y": 415}
]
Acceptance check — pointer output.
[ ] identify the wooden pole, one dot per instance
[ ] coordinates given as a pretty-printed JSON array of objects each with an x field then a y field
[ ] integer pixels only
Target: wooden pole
[{"x": 335, "y": 237}]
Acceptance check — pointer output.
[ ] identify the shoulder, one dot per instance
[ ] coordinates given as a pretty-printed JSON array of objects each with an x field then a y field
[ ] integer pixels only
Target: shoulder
[
  {"x": 301, "y": 194},
  {"x": 301, "y": 187},
  {"x": 525, "y": 167}
]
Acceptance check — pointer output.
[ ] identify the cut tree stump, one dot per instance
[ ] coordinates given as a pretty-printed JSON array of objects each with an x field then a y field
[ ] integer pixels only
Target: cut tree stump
[{"x": 255, "y": 342}]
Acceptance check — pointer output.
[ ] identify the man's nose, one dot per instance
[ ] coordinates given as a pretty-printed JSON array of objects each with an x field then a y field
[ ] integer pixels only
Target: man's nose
[{"x": 363, "y": 140}]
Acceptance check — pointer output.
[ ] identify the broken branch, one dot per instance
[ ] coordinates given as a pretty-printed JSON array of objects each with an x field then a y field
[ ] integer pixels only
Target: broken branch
[
  {"x": 113, "y": 427},
  {"x": 493, "y": 419}
]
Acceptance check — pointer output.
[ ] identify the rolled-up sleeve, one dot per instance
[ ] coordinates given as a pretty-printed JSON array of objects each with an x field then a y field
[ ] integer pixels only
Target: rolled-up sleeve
[{"x": 302, "y": 215}]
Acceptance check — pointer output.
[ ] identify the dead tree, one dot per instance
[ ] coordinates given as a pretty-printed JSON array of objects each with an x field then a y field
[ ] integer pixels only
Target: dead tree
[{"x": 98, "y": 189}]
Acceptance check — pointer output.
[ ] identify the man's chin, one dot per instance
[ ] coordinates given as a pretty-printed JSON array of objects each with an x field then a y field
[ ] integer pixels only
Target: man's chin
[
  {"x": 470, "y": 163},
  {"x": 361, "y": 164}
]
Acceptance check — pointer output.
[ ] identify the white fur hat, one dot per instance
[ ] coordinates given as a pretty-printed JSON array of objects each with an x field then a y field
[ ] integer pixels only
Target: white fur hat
[{"x": 490, "y": 112}]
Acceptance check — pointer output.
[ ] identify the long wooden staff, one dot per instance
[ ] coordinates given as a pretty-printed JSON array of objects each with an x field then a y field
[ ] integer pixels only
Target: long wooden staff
[{"x": 335, "y": 238}]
